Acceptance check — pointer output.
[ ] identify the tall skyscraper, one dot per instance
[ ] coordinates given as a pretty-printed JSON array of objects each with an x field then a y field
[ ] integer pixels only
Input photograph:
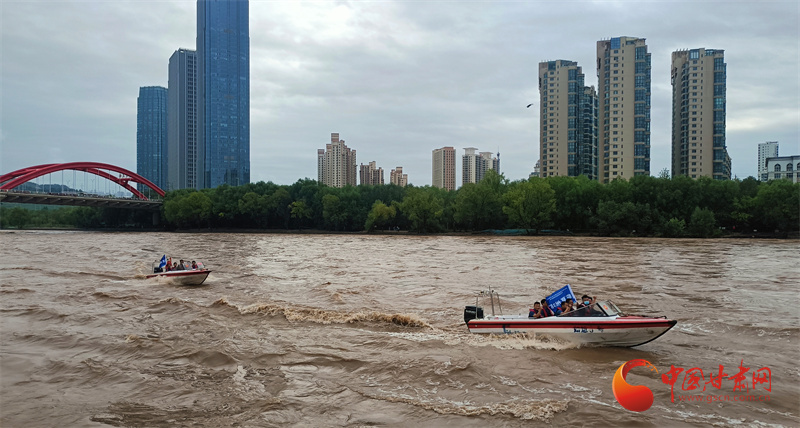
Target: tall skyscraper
[
  {"x": 474, "y": 166},
  {"x": 397, "y": 177},
  {"x": 698, "y": 114},
  {"x": 371, "y": 174},
  {"x": 766, "y": 150},
  {"x": 444, "y": 168},
  {"x": 469, "y": 166},
  {"x": 223, "y": 90},
  {"x": 151, "y": 135},
  {"x": 623, "y": 78},
  {"x": 568, "y": 122},
  {"x": 182, "y": 120},
  {"x": 336, "y": 165}
]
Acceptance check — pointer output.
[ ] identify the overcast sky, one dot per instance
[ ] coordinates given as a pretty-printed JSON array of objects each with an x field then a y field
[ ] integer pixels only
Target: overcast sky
[{"x": 395, "y": 79}]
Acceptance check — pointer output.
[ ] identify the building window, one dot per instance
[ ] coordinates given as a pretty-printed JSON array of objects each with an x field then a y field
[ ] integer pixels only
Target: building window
[{"x": 777, "y": 168}]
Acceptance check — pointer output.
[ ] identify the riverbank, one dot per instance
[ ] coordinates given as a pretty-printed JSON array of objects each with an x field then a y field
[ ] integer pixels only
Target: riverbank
[{"x": 499, "y": 233}]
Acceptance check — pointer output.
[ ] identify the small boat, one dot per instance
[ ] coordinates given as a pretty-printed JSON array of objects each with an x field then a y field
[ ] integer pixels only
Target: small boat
[
  {"x": 599, "y": 324},
  {"x": 181, "y": 277}
]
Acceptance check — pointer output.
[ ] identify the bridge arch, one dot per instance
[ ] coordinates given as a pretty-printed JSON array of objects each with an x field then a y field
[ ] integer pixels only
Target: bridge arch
[{"x": 15, "y": 178}]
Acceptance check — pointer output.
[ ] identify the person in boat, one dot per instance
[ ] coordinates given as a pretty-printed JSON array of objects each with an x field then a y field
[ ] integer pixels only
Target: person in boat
[
  {"x": 570, "y": 305},
  {"x": 537, "y": 311},
  {"x": 586, "y": 301},
  {"x": 546, "y": 311},
  {"x": 194, "y": 265},
  {"x": 563, "y": 309},
  {"x": 181, "y": 266}
]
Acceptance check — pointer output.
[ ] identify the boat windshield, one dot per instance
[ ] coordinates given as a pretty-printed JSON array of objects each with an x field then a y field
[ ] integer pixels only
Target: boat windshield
[
  {"x": 597, "y": 309},
  {"x": 610, "y": 308}
]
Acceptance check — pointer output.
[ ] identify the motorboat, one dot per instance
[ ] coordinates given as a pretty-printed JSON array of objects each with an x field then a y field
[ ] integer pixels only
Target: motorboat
[
  {"x": 601, "y": 323},
  {"x": 188, "y": 276}
]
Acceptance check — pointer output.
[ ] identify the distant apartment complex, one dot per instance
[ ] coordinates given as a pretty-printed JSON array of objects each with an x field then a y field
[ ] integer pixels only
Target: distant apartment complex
[
  {"x": 151, "y": 135},
  {"x": 370, "y": 174},
  {"x": 397, "y": 177},
  {"x": 568, "y": 141},
  {"x": 474, "y": 165},
  {"x": 444, "y": 168},
  {"x": 623, "y": 78},
  {"x": 784, "y": 168},
  {"x": 536, "y": 170},
  {"x": 698, "y": 114},
  {"x": 766, "y": 150},
  {"x": 336, "y": 164},
  {"x": 182, "y": 120}
]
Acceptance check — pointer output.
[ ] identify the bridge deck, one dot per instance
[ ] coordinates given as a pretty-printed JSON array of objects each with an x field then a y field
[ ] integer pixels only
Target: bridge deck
[{"x": 84, "y": 200}]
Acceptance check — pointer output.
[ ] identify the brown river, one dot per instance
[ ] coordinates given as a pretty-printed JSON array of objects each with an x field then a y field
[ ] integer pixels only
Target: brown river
[{"x": 305, "y": 330}]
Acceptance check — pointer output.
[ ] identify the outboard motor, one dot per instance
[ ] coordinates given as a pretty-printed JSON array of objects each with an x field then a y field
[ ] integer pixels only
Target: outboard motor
[{"x": 472, "y": 312}]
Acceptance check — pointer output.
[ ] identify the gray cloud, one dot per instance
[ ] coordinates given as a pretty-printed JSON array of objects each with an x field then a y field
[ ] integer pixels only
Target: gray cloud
[{"x": 396, "y": 79}]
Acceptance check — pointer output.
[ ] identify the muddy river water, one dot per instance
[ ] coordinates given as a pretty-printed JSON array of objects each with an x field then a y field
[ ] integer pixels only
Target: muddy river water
[{"x": 357, "y": 330}]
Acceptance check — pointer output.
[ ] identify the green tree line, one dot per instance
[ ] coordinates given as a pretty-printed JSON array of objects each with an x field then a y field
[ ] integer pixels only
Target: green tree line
[
  {"x": 17, "y": 216},
  {"x": 641, "y": 206}
]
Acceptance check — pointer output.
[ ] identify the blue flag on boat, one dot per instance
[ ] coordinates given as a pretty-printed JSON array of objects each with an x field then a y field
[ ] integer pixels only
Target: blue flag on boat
[
  {"x": 554, "y": 300},
  {"x": 163, "y": 261}
]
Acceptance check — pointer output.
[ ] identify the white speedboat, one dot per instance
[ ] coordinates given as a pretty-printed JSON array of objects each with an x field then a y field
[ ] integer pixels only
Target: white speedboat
[
  {"x": 599, "y": 324},
  {"x": 181, "y": 277}
]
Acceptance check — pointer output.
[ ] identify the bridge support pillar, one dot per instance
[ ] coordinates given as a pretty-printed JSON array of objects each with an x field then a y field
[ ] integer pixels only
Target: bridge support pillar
[{"x": 156, "y": 218}]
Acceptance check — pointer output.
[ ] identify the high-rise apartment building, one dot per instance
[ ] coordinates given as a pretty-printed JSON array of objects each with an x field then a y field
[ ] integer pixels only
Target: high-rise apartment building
[
  {"x": 444, "y": 168},
  {"x": 223, "y": 91},
  {"x": 475, "y": 165},
  {"x": 568, "y": 121},
  {"x": 469, "y": 166},
  {"x": 766, "y": 150},
  {"x": 336, "y": 165},
  {"x": 698, "y": 114},
  {"x": 397, "y": 177},
  {"x": 371, "y": 174},
  {"x": 151, "y": 135},
  {"x": 487, "y": 162},
  {"x": 623, "y": 78},
  {"x": 182, "y": 120}
]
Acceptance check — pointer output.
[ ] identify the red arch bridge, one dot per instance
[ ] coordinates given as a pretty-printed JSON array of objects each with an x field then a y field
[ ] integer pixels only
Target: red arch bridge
[{"x": 9, "y": 183}]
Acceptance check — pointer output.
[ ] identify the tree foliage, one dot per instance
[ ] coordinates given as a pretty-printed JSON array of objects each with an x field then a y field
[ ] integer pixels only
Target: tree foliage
[{"x": 641, "y": 206}]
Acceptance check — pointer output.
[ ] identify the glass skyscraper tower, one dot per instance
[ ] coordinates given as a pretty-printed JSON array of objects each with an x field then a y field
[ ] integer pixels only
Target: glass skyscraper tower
[
  {"x": 223, "y": 99},
  {"x": 151, "y": 134},
  {"x": 182, "y": 123}
]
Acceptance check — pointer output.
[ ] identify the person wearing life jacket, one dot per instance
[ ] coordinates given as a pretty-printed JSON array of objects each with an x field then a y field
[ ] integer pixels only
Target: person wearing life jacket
[
  {"x": 546, "y": 311},
  {"x": 537, "y": 311}
]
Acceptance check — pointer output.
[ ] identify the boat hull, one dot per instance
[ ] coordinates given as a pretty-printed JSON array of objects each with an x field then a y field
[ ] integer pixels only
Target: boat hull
[
  {"x": 183, "y": 277},
  {"x": 592, "y": 331}
]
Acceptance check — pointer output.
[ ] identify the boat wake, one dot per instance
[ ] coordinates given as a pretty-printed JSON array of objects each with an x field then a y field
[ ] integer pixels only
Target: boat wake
[
  {"x": 541, "y": 410},
  {"x": 321, "y": 316}
]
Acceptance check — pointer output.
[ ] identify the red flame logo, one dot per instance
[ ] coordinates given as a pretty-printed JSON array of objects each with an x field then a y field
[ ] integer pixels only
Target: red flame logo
[{"x": 636, "y": 398}]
